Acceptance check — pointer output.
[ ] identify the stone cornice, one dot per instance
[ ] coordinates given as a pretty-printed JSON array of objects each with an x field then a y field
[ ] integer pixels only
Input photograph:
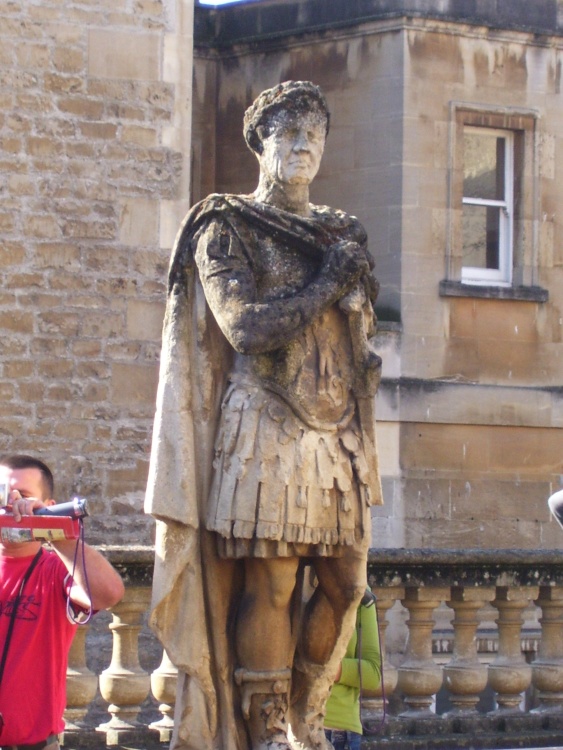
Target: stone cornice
[{"x": 264, "y": 19}]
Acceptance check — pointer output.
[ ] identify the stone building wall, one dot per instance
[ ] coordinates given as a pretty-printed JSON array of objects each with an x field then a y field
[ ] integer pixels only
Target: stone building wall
[
  {"x": 470, "y": 404},
  {"x": 94, "y": 155},
  {"x": 98, "y": 161},
  {"x": 480, "y": 467}
]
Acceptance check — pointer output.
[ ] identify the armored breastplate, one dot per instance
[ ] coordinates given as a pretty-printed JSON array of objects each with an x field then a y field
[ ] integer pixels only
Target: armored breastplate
[{"x": 313, "y": 373}]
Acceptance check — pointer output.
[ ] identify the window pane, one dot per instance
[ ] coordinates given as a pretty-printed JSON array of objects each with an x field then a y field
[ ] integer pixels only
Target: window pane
[
  {"x": 480, "y": 228},
  {"x": 483, "y": 166}
]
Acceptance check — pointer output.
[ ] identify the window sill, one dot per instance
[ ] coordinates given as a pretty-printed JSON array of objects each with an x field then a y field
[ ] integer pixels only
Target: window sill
[{"x": 520, "y": 293}]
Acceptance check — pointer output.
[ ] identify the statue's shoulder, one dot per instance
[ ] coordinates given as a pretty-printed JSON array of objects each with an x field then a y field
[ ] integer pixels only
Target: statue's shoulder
[
  {"x": 214, "y": 210},
  {"x": 217, "y": 204},
  {"x": 213, "y": 205}
]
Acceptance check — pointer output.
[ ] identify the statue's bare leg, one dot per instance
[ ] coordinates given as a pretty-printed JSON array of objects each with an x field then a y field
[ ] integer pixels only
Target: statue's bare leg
[
  {"x": 327, "y": 626},
  {"x": 264, "y": 649}
]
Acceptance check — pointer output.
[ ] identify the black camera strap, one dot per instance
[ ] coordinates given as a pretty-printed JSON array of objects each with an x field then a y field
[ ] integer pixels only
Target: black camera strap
[
  {"x": 84, "y": 616},
  {"x": 14, "y": 612}
]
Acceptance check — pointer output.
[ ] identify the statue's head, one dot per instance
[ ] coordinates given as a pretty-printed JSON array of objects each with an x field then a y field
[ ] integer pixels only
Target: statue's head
[{"x": 270, "y": 108}]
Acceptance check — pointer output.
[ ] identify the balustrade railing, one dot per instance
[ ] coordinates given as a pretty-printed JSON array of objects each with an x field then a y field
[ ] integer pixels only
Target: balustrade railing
[{"x": 473, "y": 645}]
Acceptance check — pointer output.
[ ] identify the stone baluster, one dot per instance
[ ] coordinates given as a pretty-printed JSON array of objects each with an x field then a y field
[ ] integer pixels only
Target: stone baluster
[
  {"x": 464, "y": 675},
  {"x": 81, "y": 683},
  {"x": 419, "y": 677},
  {"x": 374, "y": 703},
  {"x": 163, "y": 687},
  {"x": 509, "y": 674},
  {"x": 547, "y": 669},
  {"x": 124, "y": 684}
]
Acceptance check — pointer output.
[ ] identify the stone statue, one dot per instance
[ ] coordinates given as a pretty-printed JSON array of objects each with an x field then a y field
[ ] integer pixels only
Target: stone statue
[{"x": 264, "y": 458}]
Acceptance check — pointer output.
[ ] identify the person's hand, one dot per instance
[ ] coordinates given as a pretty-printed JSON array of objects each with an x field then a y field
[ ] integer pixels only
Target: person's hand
[
  {"x": 344, "y": 262},
  {"x": 24, "y": 506},
  {"x": 339, "y": 673}
]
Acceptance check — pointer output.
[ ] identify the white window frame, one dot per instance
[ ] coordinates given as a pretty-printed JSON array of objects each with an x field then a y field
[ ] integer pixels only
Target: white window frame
[{"x": 501, "y": 276}]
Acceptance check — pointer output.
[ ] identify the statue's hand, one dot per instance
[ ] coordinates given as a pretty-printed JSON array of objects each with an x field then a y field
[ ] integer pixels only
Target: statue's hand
[
  {"x": 345, "y": 262},
  {"x": 353, "y": 301}
]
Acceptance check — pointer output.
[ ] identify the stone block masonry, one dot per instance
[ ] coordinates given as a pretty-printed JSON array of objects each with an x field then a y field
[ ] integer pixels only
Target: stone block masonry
[{"x": 84, "y": 106}]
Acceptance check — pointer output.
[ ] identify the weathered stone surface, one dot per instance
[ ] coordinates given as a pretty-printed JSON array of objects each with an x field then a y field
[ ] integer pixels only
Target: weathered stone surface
[
  {"x": 281, "y": 294},
  {"x": 85, "y": 170}
]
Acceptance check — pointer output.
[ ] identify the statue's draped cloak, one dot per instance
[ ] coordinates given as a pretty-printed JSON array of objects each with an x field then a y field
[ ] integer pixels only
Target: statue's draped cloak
[{"x": 193, "y": 589}]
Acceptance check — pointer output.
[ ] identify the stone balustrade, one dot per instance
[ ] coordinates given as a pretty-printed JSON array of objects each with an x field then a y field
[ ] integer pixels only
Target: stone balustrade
[{"x": 473, "y": 644}]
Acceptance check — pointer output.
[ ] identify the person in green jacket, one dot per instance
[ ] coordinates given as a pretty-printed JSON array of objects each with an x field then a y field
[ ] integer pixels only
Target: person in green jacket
[{"x": 359, "y": 670}]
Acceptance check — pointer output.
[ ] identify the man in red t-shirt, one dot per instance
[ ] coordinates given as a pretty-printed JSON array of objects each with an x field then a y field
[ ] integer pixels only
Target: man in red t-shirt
[{"x": 33, "y": 681}]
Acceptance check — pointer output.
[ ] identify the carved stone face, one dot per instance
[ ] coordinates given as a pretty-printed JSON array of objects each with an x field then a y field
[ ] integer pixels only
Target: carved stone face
[{"x": 292, "y": 147}]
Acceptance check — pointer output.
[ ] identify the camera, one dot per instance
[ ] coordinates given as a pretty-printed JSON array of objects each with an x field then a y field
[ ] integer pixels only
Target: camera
[
  {"x": 52, "y": 523},
  {"x": 76, "y": 508}
]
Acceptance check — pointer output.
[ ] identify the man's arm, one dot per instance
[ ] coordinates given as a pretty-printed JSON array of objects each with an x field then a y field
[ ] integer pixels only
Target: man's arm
[
  {"x": 369, "y": 661},
  {"x": 99, "y": 577}
]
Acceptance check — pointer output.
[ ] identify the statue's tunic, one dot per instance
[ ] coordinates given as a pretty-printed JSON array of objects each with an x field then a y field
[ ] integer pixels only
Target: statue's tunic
[{"x": 290, "y": 474}]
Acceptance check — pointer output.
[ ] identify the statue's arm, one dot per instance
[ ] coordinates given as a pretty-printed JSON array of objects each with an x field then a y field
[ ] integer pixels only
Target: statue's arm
[{"x": 253, "y": 326}]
